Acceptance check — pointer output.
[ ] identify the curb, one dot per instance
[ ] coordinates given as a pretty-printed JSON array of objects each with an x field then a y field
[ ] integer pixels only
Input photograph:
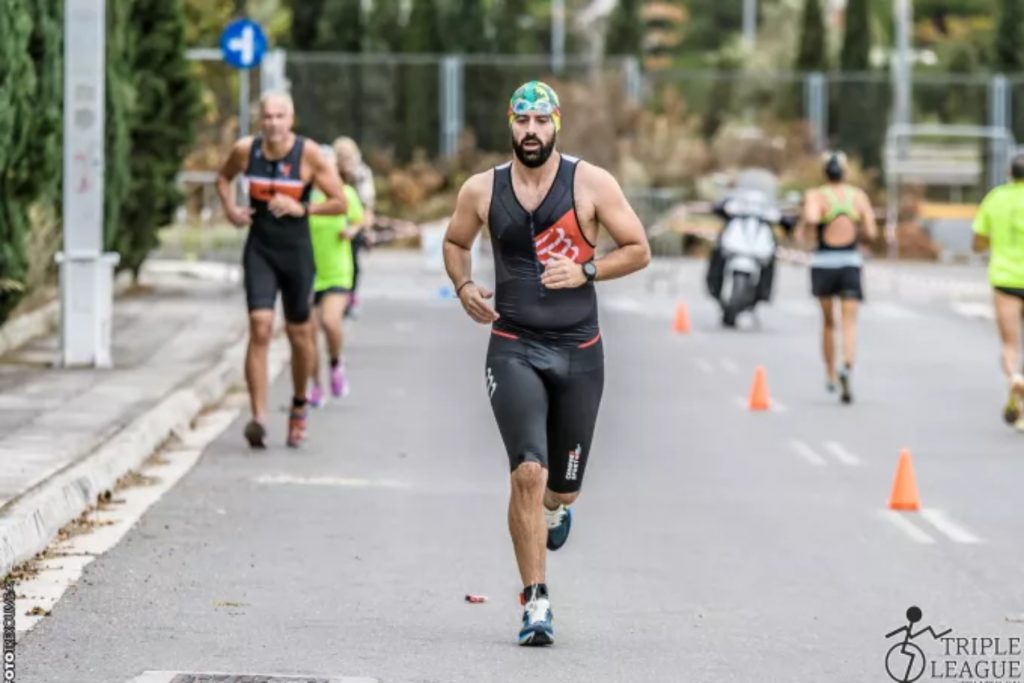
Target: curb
[
  {"x": 30, "y": 522},
  {"x": 22, "y": 329}
]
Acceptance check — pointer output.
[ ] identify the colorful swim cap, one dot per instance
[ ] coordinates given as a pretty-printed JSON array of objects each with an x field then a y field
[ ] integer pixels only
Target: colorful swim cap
[{"x": 536, "y": 97}]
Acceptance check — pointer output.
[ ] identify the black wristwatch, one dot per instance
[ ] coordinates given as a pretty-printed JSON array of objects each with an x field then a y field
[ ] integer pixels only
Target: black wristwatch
[{"x": 590, "y": 270}]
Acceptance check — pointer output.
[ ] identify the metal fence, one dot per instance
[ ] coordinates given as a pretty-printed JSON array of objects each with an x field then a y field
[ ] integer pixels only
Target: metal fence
[{"x": 401, "y": 107}]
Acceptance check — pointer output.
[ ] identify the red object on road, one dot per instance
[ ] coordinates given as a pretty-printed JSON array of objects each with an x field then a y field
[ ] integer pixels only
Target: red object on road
[{"x": 476, "y": 598}]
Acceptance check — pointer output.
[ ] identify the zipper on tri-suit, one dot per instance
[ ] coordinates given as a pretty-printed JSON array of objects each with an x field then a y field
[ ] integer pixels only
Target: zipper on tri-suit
[{"x": 536, "y": 256}]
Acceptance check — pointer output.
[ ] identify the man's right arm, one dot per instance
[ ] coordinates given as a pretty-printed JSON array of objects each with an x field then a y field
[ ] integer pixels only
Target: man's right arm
[
  {"x": 233, "y": 165},
  {"x": 462, "y": 230},
  {"x": 458, "y": 241}
]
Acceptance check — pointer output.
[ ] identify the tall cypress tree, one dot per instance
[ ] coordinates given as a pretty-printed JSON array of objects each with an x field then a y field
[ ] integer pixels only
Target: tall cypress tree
[
  {"x": 1009, "y": 57},
  {"x": 422, "y": 35},
  {"x": 466, "y": 27},
  {"x": 120, "y": 96},
  {"x": 30, "y": 125},
  {"x": 509, "y": 38},
  {"x": 166, "y": 111},
  {"x": 383, "y": 27},
  {"x": 305, "y": 23},
  {"x": 1009, "y": 36},
  {"x": 467, "y": 32},
  {"x": 856, "y": 53},
  {"x": 626, "y": 29},
  {"x": 342, "y": 26},
  {"x": 813, "y": 55},
  {"x": 858, "y": 99}
]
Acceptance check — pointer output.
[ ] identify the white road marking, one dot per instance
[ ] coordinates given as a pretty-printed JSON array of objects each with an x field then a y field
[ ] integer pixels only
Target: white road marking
[
  {"x": 955, "y": 531},
  {"x": 903, "y": 523},
  {"x": 41, "y": 592},
  {"x": 729, "y": 366},
  {"x": 973, "y": 310},
  {"x": 705, "y": 365},
  {"x": 343, "y": 482},
  {"x": 806, "y": 452},
  {"x": 841, "y": 454},
  {"x": 168, "y": 676}
]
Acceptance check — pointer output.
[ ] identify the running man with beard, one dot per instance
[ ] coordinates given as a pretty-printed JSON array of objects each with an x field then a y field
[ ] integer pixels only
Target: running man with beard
[{"x": 544, "y": 371}]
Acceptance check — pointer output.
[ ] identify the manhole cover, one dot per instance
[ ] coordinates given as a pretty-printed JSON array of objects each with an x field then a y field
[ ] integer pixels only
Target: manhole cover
[{"x": 186, "y": 677}]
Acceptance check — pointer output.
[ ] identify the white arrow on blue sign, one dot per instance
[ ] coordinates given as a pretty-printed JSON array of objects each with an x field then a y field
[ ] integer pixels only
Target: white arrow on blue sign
[{"x": 243, "y": 43}]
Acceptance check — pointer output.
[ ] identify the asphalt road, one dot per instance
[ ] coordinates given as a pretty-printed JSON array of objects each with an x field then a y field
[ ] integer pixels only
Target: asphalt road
[{"x": 710, "y": 543}]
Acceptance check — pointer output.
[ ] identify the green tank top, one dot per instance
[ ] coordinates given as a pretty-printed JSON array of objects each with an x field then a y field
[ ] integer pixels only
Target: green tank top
[
  {"x": 331, "y": 252},
  {"x": 839, "y": 207}
]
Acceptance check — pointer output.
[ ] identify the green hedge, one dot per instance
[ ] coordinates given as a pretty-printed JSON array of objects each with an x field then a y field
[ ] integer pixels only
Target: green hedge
[{"x": 152, "y": 106}]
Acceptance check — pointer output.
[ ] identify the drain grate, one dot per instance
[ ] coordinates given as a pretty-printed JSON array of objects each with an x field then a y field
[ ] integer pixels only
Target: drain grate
[{"x": 187, "y": 677}]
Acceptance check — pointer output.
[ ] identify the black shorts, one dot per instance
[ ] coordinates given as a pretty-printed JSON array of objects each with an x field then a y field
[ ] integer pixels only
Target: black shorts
[
  {"x": 844, "y": 282},
  {"x": 1011, "y": 291},
  {"x": 319, "y": 296},
  {"x": 545, "y": 399},
  {"x": 290, "y": 270}
]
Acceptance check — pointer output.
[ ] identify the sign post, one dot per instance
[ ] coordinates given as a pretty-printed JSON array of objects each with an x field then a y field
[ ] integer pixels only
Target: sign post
[
  {"x": 86, "y": 272},
  {"x": 243, "y": 44}
]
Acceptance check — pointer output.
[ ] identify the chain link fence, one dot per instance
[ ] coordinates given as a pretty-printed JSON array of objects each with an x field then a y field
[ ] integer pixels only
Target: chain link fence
[{"x": 662, "y": 133}]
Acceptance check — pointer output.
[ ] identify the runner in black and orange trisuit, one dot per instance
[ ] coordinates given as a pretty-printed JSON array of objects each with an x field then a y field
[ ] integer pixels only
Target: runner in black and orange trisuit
[{"x": 280, "y": 168}]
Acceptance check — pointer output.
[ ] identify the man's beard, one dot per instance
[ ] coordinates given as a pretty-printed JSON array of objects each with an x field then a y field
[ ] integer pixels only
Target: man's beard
[{"x": 535, "y": 157}]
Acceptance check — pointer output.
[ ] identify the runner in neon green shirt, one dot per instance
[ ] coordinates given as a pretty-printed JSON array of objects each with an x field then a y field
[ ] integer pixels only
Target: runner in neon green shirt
[
  {"x": 332, "y": 253},
  {"x": 999, "y": 228}
]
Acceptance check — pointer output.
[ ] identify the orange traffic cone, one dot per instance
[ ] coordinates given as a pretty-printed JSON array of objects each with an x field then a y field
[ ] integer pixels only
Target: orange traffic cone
[
  {"x": 904, "y": 487},
  {"x": 682, "y": 321},
  {"x": 759, "y": 391}
]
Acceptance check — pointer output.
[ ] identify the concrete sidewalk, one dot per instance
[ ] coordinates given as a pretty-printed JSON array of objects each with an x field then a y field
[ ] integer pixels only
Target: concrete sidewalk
[{"x": 67, "y": 435}]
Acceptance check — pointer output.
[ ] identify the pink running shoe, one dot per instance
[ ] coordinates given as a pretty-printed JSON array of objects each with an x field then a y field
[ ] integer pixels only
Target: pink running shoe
[
  {"x": 316, "y": 394},
  {"x": 339, "y": 384}
]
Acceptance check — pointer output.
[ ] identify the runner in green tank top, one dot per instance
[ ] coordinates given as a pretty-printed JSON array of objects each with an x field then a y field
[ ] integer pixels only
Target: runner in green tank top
[
  {"x": 332, "y": 253},
  {"x": 838, "y": 213},
  {"x": 999, "y": 229}
]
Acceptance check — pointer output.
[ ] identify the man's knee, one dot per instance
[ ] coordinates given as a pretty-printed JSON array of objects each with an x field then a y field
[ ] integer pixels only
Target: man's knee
[
  {"x": 299, "y": 333},
  {"x": 260, "y": 329},
  {"x": 529, "y": 478}
]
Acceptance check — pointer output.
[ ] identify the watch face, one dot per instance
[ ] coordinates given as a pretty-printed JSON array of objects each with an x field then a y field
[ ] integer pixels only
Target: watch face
[{"x": 589, "y": 269}]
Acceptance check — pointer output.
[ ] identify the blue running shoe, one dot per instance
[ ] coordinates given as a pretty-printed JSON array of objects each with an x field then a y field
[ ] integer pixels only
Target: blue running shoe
[
  {"x": 537, "y": 627},
  {"x": 559, "y": 522}
]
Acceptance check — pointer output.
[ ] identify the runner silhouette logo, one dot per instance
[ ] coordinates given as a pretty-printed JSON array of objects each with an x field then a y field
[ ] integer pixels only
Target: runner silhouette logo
[{"x": 905, "y": 661}]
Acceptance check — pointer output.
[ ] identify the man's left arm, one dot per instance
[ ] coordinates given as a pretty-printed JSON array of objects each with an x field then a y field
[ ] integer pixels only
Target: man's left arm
[
  {"x": 326, "y": 177},
  {"x": 612, "y": 210}
]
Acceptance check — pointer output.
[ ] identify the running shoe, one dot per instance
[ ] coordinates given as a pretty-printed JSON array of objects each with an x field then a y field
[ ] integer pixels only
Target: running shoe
[
  {"x": 339, "y": 383},
  {"x": 256, "y": 434},
  {"x": 537, "y": 619},
  {"x": 844, "y": 384},
  {"x": 559, "y": 522},
  {"x": 352, "y": 310},
  {"x": 1011, "y": 411},
  {"x": 296, "y": 428},
  {"x": 316, "y": 395}
]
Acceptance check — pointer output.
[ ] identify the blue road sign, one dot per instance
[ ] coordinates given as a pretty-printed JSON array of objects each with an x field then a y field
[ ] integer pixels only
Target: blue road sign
[{"x": 243, "y": 43}]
